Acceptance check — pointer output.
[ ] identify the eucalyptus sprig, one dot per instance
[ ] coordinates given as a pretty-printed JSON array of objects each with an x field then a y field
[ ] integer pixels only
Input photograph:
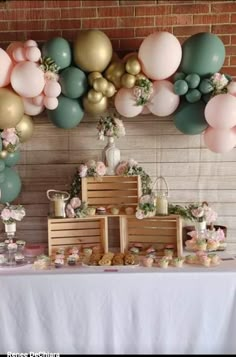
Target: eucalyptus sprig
[
  {"x": 49, "y": 65},
  {"x": 143, "y": 90}
]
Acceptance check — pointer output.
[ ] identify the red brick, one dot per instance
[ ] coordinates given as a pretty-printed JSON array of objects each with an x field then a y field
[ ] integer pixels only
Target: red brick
[
  {"x": 25, "y": 4},
  {"x": 224, "y": 29},
  {"x": 230, "y": 50},
  {"x": 223, "y": 6},
  {"x": 135, "y": 21},
  {"x": 144, "y": 32},
  {"x": 233, "y": 60},
  {"x": 70, "y": 34},
  {"x": 62, "y": 3},
  {"x": 211, "y": 19},
  {"x": 226, "y": 62},
  {"x": 99, "y": 23},
  {"x": 233, "y": 18},
  {"x": 137, "y": 2},
  {"x": 43, "y": 36},
  {"x": 229, "y": 70},
  {"x": 63, "y": 24},
  {"x": 152, "y": 10},
  {"x": 97, "y": 3},
  {"x": 233, "y": 39},
  {"x": 27, "y": 25},
  {"x": 190, "y": 9},
  {"x": 119, "y": 33},
  {"x": 174, "y": 20},
  {"x": 115, "y": 11},
  {"x": 130, "y": 44},
  {"x": 115, "y": 44},
  {"x": 225, "y": 39},
  {"x": 190, "y": 30},
  {"x": 74, "y": 13},
  {"x": 12, "y": 36}
]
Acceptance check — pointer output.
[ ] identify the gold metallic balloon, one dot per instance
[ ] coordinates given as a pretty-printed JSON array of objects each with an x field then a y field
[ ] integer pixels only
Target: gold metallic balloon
[
  {"x": 133, "y": 66},
  {"x": 110, "y": 69},
  {"x": 92, "y": 50},
  {"x": 110, "y": 91},
  {"x": 3, "y": 154},
  {"x": 11, "y": 108},
  {"x": 92, "y": 76},
  {"x": 94, "y": 96},
  {"x": 140, "y": 76},
  {"x": 95, "y": 108},
  {"x": 25, "y": 128},
  {"x": 128, "y": 80},
  {"x": 100, "y": 84},
  {"x": 119, "y": 70}
]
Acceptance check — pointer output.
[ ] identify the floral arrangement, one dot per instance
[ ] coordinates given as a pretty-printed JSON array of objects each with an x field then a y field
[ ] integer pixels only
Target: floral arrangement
[
  {"x": 143, "y": 90},
  {"x": 110, "y": 126},
  {"x": 10, "y": 139},
  {"x": 219, "y": 83},
  {"x": 132, "y": 168},
  {"x": 76, "y": 208},
  {"x": 12, "y": 213},
  {"x": 146, "y": 207},
  {"x": 90, "y": 169}
]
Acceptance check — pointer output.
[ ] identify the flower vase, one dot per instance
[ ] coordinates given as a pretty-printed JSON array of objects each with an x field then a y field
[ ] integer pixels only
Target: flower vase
[
  {"x": 112, "y": 156},
  {"x": 10, "y": 228},
  {"x": 200, "y": 228}
]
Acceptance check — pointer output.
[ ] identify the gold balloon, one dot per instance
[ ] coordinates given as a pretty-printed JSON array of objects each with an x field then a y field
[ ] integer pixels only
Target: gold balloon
[
  {"x": 92, "y": 50},
  {"x": 95, "y": 108},
  {"x": 119, "y": 70},
  {"x": 94, "y": 96},
  {"x": 11, "y": 108},
  {"x": 100, "y": 84},
  {"x": 133, "y": 66},
  {"x": 140, "y": 76},
  {"x": 3, "y": 154},
  {"x": 25, "y": 128},
  {"x": 92, "y": 76},
  {"x": 128, "y": 80},
  {"x": 110, "y": 91}
]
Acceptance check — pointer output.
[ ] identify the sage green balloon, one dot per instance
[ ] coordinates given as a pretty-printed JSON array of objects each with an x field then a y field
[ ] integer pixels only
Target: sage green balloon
[
  {"x": 11, "y": 186},
  {"x": 68, "y": 113},
  {"x": 202, "y": 53},
  {"x": 180, "y": 87},
  {"x": 206, "y": 86},
  {"x": 189, "y": 118},
  {"x": 2, "y": 177},
  {"x": 12, "y": 158},
  {"x": 179, "y": 75},
  {"x": 193, "y": 80},
  {"x": 73, "y": 82},
  {"x": 2, "y": 165},
  {"x": 193, "y": 95},
  {"x": 59, "y": 50}
]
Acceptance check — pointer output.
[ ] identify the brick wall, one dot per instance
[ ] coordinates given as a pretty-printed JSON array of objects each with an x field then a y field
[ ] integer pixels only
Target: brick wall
[{"x": 125, "y": 22}]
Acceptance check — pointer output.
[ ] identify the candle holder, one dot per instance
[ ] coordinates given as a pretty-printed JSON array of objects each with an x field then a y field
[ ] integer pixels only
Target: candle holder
[{"x": 161, "y": 198}]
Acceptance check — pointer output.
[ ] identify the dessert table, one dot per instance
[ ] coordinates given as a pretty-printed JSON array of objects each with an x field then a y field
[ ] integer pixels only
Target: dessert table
[{"x": 131, "y": 310}]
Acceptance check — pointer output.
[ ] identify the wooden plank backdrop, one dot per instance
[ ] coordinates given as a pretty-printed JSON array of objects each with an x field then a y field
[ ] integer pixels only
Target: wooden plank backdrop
[{"x": 194, "y": 173}]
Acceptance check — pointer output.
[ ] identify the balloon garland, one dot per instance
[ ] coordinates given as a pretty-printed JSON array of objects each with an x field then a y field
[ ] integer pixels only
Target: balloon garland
[{"x": 68, "y": 80}]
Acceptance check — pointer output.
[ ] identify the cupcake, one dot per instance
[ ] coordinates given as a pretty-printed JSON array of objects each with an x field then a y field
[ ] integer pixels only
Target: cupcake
[
  {"x": 215, "y": 259},
  {"x": 12, "y": 247},
  {"x": 20, "y": 243},
  {"x": 2, "y": 259},
  {"x": 212, "y": 244},
  {"x": 42, "y": 262},
  {"x": 164, "y": 262},
  {"x": 59, "y": 262},
  {"x": 87, "y": 251},
  {"x": 201, "y": 244},
  {"x": 115, "y": 210},
  {"x": 101, "y": 210},
  {"x": 74, "y": 250},
  {"x": 134, "y": 250},
  {"x": 60, "y": 251},
  {"x": 91, "y": 211},
  {"x": 205, "y": 260},
  {"x": 71, "y": 260},
  {"x": 19, "y": 258},
  {"x": 129, "y": 210},
  {"x": 168, "y": 252},
  {"x": 148, "y": 262},
  {"x": 177, "y": 262},
  {"x": 191, "y": 259}
]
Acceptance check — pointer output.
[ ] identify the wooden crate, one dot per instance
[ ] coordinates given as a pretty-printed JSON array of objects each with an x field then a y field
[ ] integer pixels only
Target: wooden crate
[
  {"x": 122, "y": 191},
  {"x": 72, "y": 232},
  {"x": 157, "y": 231}
]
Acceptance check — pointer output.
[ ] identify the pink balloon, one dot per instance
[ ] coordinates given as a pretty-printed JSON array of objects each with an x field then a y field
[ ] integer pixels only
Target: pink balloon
[
  {"x": 231, "y": 87},
  {"x": 27, "y": 79},
  {"x": 19, "y": 54},
  {"x": 52, "y": 89},
  {"x": 50, "y": 103},
  {"x": 163, "y": 101},
  {"x": 6, "y": 66},
  {"x": 30, "y": 43},
  {"x": 38, "y": 100},
  {"x": 145, "y": 110},
  {"x": 160, "y": 55},
  {"x": 30, "y": 108},
  {"x": 12, "y": 47},
  {"x": 33, "y": 54},
  {"x": 125, "y": 103},
  {"x": 220, "y": 111},
  {"x": 220, "y": 140}
]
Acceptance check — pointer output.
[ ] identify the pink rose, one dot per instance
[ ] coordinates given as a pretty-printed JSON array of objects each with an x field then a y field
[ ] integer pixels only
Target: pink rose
[
  {"x": 6, "y": 214},
  {"x": 121, "y": 168},
  {"x": 70, "y": 211},
  {"x": 75, "y": 202},
  {"x": 82, "y": 170},
  {"x": 100, "y": 168},
  {"x": 139, "y": 214}
]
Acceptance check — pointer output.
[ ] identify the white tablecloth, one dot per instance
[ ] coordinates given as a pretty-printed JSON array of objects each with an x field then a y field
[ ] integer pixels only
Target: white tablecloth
[{"x": 140, "y": 310}]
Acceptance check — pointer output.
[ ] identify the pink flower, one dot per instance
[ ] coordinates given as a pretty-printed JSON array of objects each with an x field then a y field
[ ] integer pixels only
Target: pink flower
[
  {"x": 198, "y": 212},
  {"x": 100, "y": 168},
  {"x": 139, "y": 214},
  {"x": 121, "y": 168},
  {"x": 6, "y": 214},
  {"x": 91, "y": 164},
  {"x": 133, "y": 162},
  {"x": 18, "y": 215},
  {"x": 82, "y": 170},
  {"x": 70, "y": 211},
  {"x": 10, "y": 137},
  {"x": 211, "y": 216},
  {"x": 75, "y": 202}
]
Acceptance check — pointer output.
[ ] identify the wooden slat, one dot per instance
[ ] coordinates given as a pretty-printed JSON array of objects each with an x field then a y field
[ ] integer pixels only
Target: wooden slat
[
  {"x": 75, "y": 233},
  {"x": 74, "y": 225},
  {"x": 152, "y": 239},
  {"x": 152, "y": 231},
  {"x": 76, "y": 240}
]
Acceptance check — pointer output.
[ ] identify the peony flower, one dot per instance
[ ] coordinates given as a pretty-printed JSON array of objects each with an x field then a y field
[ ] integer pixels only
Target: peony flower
[
  {"x": 75, "y": 202},
  {"x": 210, "y": 215},
  {"x": 70, "y": 213},
  {"x": 132, "y": 162},
  {"x": 12, "y": 213},
  {"x": 100, "y": 168},
  {"x": 82, "y": 170},
  {"x": 198, "y": 212},
  {"x": 121, "y": 168},
  {"x": 139, "y": 214},
  {"x": 5, "y": 214}
]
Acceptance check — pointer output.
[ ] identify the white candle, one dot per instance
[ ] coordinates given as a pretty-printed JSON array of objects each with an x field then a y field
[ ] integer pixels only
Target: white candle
[
  {"x": 162, "y": 206},
  {"x": 59, "y": 208}
]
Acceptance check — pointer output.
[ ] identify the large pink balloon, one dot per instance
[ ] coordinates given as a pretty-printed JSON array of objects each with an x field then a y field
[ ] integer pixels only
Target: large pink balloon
[
  {"x": 12, "y": 47},
  {"x": 125, "y": 103},
  {"x": 6, "y": 66},
  {"x": 220, "y": 111},
  {"x": 27, "y": 79},
  {"x": 220, "y": 140},
  {"x": 163, "y": 101},
  {"x": 160, "y": 55}
]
